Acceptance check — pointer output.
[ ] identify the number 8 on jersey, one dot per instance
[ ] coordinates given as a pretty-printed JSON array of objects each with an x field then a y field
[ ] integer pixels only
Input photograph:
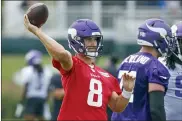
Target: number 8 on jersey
[{"x": 92, "y": 92}]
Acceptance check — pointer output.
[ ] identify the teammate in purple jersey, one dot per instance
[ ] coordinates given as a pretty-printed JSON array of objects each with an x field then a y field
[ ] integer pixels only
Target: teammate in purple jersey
[{"x": 147, "y": 101}]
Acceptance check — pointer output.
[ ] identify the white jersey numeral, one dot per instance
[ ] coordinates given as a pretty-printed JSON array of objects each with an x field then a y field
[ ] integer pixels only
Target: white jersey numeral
[{"x": 92, "y": 92}]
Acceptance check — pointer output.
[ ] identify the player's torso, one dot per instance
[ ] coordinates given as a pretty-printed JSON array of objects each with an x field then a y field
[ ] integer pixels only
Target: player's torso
[
  {"x": 138, "y": 108},
  {"x": 173, "y": 97},
  {"x": 175, "y": 83},
  {"x": 92, "y": 95},
  {"x": 37, "y": 84}
]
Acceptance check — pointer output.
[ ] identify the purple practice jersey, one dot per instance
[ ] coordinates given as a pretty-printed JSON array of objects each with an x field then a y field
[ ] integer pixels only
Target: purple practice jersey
[{"x": 147, "y": 69}]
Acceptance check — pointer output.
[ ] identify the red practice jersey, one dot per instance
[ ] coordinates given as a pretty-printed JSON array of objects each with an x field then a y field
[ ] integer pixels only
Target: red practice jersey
[{"x": 87, "y": 91}]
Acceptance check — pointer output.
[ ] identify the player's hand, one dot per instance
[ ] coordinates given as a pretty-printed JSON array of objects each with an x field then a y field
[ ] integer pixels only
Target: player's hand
[
  {"x": 30, "y": 26},
  {"x": 19, "y": 110},
  {"x": 128, "y": 82}
]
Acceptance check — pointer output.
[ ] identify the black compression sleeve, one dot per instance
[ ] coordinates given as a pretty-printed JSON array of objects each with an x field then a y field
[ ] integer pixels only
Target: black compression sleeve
[{"x": 157, "y": 110}]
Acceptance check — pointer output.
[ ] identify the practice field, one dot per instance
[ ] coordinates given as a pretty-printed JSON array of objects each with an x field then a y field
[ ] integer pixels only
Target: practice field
[
  {"x": 11, "y": 63},
  {"x": 10, "y": 92}
]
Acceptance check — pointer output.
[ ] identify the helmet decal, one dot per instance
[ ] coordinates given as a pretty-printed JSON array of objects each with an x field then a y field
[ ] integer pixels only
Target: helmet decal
[{"x": 161, "y": 31}]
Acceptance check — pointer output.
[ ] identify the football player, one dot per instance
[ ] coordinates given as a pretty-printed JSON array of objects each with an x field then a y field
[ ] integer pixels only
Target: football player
[
  {"x": 35, "y": 79},
  {"x": 57, "y": 93},
  {"x": 88, "y": 88},
  {"x": 173, "y": 97},
  {"x": 147, "y": 101}
]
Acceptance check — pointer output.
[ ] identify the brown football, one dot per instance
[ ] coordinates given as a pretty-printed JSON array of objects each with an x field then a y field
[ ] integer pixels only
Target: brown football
[{"x": 38, "y": 14}]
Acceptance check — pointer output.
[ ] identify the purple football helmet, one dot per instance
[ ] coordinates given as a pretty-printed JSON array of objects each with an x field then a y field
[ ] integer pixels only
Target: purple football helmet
[
  {"x": 156, "y": 33},
  {"x": 177, "y": 33},
  {"x": 81, "y": 29},
  {"x": 33, "y": 57}
]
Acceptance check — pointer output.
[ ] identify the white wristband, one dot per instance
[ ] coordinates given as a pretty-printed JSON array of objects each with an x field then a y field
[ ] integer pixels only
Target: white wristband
[{"x": 126, "y": 94}]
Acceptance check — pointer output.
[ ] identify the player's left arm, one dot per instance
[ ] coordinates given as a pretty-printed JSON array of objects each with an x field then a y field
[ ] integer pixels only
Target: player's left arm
[
  {"x": 158, "y": 80},
  {"x": 118, "y": 103},
  {"x": 156, "y": 91}
]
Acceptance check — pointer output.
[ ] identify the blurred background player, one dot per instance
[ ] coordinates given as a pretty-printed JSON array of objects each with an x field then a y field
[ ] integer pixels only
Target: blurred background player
[
  {"x": 112, "y": 65},
  {"x": 112, "y": 69},
  {"x": 57, "y": 91},
  {"x": 151, "y": 76},
  {"x": 35, "y": 79},
  {"x": 81, "y": 78},
  {"x": 173, "y": 97}
]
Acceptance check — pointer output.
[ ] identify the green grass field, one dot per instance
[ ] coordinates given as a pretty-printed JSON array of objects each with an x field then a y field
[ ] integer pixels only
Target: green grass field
[
  {"x": 11, "y": 63},
  {"x": 11, "y": 92}
]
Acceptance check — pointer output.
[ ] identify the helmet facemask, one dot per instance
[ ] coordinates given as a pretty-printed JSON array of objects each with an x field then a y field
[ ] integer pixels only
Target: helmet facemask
[
  {"x": 177, "y": 33},
  {"x": 85, "y": 29},
  {"x": 178, "y": 51},
  {"x": 93, "y": 51},
  {"x": 166, "y": 46},
  {"x": 87, "y": 50}
]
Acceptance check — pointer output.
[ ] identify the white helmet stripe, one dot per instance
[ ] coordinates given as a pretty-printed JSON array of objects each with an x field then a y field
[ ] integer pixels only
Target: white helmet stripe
[{"x": 161, "y": 31}]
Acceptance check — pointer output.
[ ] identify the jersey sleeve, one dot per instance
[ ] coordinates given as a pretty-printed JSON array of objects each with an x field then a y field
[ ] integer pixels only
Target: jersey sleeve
[
  {"x": 157, "y": 73},
  {"x": 58, "y": 66}
]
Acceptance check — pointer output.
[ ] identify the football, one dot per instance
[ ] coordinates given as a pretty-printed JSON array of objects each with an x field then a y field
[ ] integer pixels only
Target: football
[{"x": 37, "y": 14}]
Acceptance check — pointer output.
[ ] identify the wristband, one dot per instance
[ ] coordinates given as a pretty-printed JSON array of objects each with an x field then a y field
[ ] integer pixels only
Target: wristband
[{"x": 126, "y": 94}]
